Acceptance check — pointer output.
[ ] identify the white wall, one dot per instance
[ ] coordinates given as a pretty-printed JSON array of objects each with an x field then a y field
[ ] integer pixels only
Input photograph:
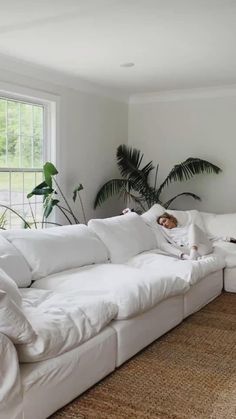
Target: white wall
[
  {"x": 170, "y": 128},
  {"x": 90, "y": 127}
]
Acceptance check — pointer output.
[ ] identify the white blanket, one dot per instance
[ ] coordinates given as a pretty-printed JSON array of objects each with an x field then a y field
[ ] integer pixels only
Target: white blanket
[
  {"x": 62, "y": 321},
  {"x": 132, "y": 290},
  {"x": 189, "y": 270}
]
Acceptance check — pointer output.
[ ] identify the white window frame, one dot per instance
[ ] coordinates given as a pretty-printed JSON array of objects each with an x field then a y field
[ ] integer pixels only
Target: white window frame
[{"x": 50, "y": 103}]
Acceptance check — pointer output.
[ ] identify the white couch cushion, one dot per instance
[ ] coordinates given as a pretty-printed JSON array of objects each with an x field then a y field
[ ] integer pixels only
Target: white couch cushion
[
  {"x": 157, "y": 210},
  {"x": 220, "y": 224},
  {"x": 62, "y": 321},
  {"x": 230, "y": 279},
  {"x": 227, "y": 251},
  {"x": 132, "y": 290},
  {"x": 124, "y": 236},
  {"x": 183, "y": 217},
  {"x": 191, "y": 271},
  {"x": 13, "y": 263},
  {"x": 57, "y": 249},
  {"x": 9, "y": 287},
  {"x": 13, "y": 322}
]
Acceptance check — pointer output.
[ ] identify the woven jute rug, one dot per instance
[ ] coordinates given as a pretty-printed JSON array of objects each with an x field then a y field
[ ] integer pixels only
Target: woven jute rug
[{"x": 190, "y": 373}]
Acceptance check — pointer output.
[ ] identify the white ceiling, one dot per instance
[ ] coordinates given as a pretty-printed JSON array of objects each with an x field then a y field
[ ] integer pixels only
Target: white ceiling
[{"x": 174, "y": 44}]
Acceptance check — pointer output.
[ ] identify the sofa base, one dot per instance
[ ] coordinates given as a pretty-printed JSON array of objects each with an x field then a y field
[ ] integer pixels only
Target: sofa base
[
  {"x": 50, "y": 385},
  {"x": 134, "y": 334},
  {"x": 203, "y": 292},
  {"x": 230, "y": 279}
]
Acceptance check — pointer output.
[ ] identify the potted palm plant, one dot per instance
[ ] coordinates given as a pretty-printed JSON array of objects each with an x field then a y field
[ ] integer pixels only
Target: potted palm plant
[{"x": 134, "y": 183}]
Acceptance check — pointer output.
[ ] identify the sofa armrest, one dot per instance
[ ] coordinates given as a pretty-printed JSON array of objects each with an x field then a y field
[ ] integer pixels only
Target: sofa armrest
[{"x": 11, "y": 398}]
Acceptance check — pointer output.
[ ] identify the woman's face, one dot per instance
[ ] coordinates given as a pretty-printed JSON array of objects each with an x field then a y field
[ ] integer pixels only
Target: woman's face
[{"x": 167, "y": 223}]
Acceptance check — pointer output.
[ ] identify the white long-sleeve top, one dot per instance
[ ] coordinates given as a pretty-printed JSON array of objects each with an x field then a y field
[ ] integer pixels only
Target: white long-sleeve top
[
  {"x": 175, "y": 241},
  {"x": 164, "y": 244},
  {"x": 176, "y": 236}
]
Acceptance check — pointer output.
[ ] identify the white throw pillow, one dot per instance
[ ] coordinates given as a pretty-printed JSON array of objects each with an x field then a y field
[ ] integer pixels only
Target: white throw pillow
[
  {"x": 13, "y": 263},
  {"x": 124, "y": 236},
  {"x": 13, "y": 322},
  {"x": 8, "y": 286},
  {"x": 150, "y": 216},
  {"x": 153, "y": 213},
  {"x": 57, "y": 249}
]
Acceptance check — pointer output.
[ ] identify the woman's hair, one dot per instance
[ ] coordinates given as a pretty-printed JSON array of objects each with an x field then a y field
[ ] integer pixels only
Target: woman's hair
[{"x": 169, "y": 216}]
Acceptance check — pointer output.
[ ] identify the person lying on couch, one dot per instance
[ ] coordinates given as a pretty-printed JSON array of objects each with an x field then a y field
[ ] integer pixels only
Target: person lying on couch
[{"x": 187, "y": 242}]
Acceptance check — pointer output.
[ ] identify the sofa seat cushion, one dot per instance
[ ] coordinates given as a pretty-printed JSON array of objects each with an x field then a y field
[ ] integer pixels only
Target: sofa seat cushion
[
  {"x": 62, "y": 321},
  {"x": 124, "y": 236},
  {"x": 58, "y": 248},
  {"x": 132, "y": 290},
  {"x": 189, "y": 270},
  {"x": 230, "y": 279},
  {"x": 227, "y": 251}
]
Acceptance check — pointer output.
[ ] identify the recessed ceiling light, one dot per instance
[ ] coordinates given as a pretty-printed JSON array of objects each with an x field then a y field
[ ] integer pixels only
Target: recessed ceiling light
[{"x": 127, "y": 65}]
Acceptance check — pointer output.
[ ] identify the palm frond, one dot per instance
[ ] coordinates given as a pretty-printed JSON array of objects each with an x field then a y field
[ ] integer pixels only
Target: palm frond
[
  {"x": 111, "y": 188},
  {"x": 156, "y": 173},
  {"x": 168, "y": 203},
  {"x": 187, "y": 169},
  {"x": 129, "y": 161}
]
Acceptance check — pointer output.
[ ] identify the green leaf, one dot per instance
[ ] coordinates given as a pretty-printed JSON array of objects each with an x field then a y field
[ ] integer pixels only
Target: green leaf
[
  {"x": 111, "y": 188},
  {"x": 187, "y": 169},
  {"x": 49, "y": 170},
  {"x": 77, "y": 190},
  {"x": 41, "y": 189},
  {"x": 168, "y": 203},
  {"x": 49, "y": 204}
]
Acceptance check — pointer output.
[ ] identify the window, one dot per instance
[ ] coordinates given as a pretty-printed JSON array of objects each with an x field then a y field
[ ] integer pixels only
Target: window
[{"x": 22, "y": 153}]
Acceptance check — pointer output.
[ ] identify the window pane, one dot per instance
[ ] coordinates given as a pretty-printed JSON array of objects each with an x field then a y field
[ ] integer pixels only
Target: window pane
[
  {"x": 21, "y": 148},
  {"x": 13, "y": 151},
  {"x": 38, "y": 152},
  {"x": 26, "y": 151},
  {"x": 3, "y": 105},
  {"x": 12, "y": 118},
  {"x": 26, "y": 119},
  {"x": 4, "y": 188},
  {"x": 4, "y": 200},
  {"x": 2, "y": 150},
  {"x": 38, "y": 121}
]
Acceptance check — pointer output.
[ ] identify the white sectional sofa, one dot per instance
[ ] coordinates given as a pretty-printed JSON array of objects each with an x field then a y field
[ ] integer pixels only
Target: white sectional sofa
[{"x": 78, "y": 301}]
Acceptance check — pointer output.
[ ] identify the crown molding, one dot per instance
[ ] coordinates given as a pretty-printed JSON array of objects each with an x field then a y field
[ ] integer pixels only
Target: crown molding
[
  {"x": 183, "y": 94},
  {"x": 49, "y": 75}
]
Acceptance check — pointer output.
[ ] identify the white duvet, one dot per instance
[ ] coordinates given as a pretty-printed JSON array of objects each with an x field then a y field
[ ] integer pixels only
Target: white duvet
[
  {"x": 132, "y": 290},
  {"x": 190, "y": 270},
  {"x": 61, "y": 321}
]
